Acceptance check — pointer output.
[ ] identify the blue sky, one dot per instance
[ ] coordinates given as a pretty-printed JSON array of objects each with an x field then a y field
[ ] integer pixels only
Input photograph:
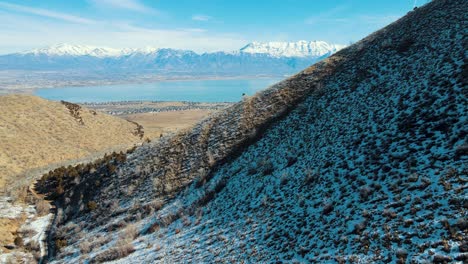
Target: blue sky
[{"x": 200, "y": 25}]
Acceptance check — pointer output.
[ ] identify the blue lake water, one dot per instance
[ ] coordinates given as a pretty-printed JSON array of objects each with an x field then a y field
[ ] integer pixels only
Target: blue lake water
[{"x": 194, "y": 90}]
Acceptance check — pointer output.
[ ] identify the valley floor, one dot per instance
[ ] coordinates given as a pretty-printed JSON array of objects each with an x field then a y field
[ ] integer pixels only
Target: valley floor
[{"x": 159, "y": 118}]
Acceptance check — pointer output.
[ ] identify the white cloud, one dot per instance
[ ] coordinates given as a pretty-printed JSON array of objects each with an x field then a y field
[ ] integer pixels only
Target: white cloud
[
  {"x": 46, "y": 13},
  {"x": 201, "y": 17},
  {"x": 132, "y": 5},
  {"x": 327, "y": 16},
  {"x": 332, "y": 17},
  {"x": 378, "y": 20},
  {"x": 23, "y": 32}
]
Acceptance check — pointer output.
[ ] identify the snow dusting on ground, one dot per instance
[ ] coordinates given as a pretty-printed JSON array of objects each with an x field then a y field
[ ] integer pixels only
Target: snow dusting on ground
[{"x": 371, "y": 167}]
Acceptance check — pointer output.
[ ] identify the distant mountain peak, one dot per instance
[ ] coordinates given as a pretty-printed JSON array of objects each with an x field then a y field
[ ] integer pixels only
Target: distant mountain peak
[
  {"x": 301, "y": 48},
  {"x": 65, "y": 49}
]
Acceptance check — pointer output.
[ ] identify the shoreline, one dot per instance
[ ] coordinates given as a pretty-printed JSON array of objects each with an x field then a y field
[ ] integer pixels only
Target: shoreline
[{"x": 31, "y": 88}]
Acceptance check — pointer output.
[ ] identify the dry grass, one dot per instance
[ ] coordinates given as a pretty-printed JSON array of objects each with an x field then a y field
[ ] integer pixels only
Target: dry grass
[
  {"x": 8, "y": 229},
  {"x": 156, "y": 124},
  {"x": 113, "y": 253},
  {"x": 42, "y": 207},
  {"x": 35, "y": 132}
]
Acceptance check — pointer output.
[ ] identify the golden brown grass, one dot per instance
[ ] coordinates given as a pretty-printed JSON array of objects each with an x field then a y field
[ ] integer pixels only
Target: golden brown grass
[
  {"x": 35, "y": 132},
  {"x": 8, "y": 230},
  {"x": 156, "y": 124}
]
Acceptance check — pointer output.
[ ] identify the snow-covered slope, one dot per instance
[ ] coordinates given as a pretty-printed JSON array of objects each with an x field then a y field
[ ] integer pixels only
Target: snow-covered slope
[
  {"x": 300, "y": 48},
  {"x": 361, "y": 158}
]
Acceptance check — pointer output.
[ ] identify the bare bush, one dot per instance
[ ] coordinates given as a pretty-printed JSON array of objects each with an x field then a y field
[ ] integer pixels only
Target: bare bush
[
  {"x": 130, "y": 232},
  {"x": 42, "y": 207},
  {"x": 18, "y": 193},
  {"x": 85, "y": 247},
  {"x": 113, "y": 253},
  {"x": 99, "y": 241}
]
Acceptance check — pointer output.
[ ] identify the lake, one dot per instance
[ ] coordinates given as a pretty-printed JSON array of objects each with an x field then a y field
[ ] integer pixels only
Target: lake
[{"x": 229, "y": 90}]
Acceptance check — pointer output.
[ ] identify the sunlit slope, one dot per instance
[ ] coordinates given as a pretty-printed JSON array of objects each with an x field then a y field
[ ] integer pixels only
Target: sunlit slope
[{"x": 35, "y": 132}]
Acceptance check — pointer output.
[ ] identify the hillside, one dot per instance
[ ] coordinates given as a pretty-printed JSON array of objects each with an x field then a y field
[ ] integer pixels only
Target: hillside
[
  {"x": 35, "y": 132},
  {"x": 359, "y": 158}
]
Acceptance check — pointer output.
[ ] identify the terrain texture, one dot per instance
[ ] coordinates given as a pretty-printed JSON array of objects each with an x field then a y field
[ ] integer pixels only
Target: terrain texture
[
  {"x": 360, "y": 158},
  {"x": 35, "y": 132}
]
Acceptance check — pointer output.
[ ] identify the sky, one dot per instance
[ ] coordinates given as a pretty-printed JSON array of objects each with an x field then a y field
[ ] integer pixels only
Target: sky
[{"x": 199, "y": 25}]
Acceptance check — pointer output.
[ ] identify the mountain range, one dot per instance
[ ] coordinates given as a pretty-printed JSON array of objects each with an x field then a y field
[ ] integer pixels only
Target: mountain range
[{"x": 275, "y": 58}]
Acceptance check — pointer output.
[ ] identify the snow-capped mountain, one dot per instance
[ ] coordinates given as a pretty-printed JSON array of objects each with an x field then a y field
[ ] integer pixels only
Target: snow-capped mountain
[
  {"x": 276, "y": 49},
  {"x": 273, "y": 58},
  {"x": 300, "y": 48},
  {"x": 64, "y": 49},
  {"x": 80, "y": 63}
]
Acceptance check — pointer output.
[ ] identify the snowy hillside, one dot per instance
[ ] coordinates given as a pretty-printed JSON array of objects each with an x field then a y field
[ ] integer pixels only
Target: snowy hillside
[
  {"x": 293, "y": 49},
  {"x": 360, "y": 158}
]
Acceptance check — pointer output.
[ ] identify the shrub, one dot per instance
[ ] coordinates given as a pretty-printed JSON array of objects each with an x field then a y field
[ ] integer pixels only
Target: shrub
[
  {"x": 130, "y": 232},
  {"x": 284, "y": 178},
  {"x": 365, "y": 192},
  {"x": 60, "y": 243},
  {"x": 113, "y": 253},
  {"x": 267, "y": 168},
  {"x": 138, "y": 132},
  {"x": 18, "y": 241},
  {"x": 201, "y": 180},
  {"x": 74, "y": 110},
  {"x": 153, "y": 228},
  {"x": 99, "y": 241},
  {"x": 405, "y": 44},
  {"x": 310, "y": 177},
  {"x": 42, "y": 207},
  {"x": 91, "y": 205},
  {"x": 33, "y": 246},
  {"x": 327, "y": 208},
  {"x": 252, "y": 170},
  {"x": 85, "y": 247},
  {"x": 290, "y": 160},
  {"x": 111, "y": 168}
]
